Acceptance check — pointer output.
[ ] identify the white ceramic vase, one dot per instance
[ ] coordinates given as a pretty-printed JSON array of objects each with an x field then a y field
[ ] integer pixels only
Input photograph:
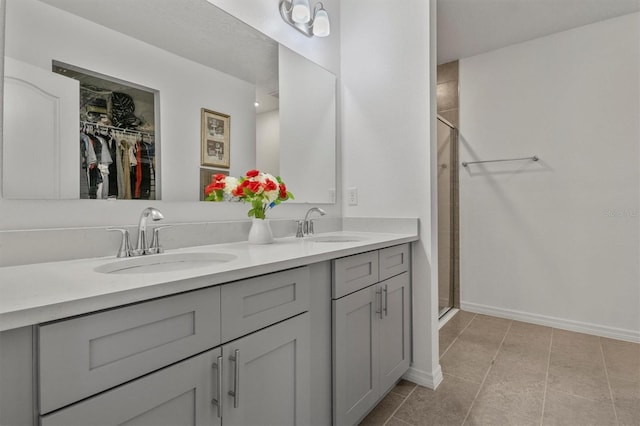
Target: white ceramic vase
[{"x": 260, "y": 232}]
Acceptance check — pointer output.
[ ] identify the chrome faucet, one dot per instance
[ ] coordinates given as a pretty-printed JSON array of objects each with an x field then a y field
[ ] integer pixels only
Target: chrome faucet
[
  {"x": 141, "y": 246},
  {"x": 306, "y": 227}
]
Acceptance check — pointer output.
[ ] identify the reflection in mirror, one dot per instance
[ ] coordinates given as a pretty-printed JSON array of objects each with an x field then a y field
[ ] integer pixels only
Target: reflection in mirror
[
  {"x": 117, "y": 137},
  {"x": 196, "y": 56}
]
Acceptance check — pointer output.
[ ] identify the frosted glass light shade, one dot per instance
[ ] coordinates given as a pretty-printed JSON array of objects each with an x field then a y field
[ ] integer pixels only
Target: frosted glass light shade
[
  {"x": 321, "y": 26},
  {"x": 300, "y": 11}
]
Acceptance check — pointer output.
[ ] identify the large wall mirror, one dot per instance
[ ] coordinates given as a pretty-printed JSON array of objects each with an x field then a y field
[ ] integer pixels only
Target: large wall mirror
[{"x": 280, "y": 108}]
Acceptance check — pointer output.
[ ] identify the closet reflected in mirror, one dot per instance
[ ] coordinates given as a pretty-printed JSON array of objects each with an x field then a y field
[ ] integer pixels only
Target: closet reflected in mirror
[{"x": 117, "y": 137}]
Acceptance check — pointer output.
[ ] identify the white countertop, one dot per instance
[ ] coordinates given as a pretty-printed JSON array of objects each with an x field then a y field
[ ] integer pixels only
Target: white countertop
[{"x": 31, "y": 294}]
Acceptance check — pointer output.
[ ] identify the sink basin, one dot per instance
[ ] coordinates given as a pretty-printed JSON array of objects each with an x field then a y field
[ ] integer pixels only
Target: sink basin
[
  {"x": 336, "y": 239},
  {"x": 155, "y": 263}
]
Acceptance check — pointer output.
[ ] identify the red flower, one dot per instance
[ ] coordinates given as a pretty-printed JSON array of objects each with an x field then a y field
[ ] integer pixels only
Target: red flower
[
  {"x": 237, "y": 191},
  {"x": 253, "y": 186},
  {"x": 253, "y": 173},
  {"x": 209, "y": 189},
  {"x": 270, "y": 185},
  {"x": 283, "y": 190},
  {"x": 217, "y": 177}
]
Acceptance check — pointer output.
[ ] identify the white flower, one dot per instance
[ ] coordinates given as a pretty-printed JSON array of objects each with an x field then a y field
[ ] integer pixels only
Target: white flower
[
  {"x": 230, "y": 184},
  {"x": 272, "y": 195}
]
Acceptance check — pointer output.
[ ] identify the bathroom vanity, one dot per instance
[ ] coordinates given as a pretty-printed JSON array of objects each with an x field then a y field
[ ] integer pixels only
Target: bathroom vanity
[{"x": 243, "y": 340}]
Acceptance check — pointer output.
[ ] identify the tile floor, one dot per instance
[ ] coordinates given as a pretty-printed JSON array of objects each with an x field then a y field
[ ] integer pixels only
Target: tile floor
[{"x": 503, "y": 372}]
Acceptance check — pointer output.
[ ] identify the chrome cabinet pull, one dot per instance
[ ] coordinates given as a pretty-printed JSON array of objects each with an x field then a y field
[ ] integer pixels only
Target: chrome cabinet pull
[
  {"x": 235, "y": 393},
  {"x": 379, "y": 302},
  {"x": 386, "y": 300},
  {"x": 214, "y": 401}
]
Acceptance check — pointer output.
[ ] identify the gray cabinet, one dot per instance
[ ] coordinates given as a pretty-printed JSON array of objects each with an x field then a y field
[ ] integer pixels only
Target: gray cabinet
[
  {"x": 268, "y": 374},
  {"x": 354, "y": 272},
  {"x": 260, "y": 379},
  {"x": 177, "y": 395},
  {"x": 371, "y": 336},
  {"x": 394, "y": 328},
  {"x": 393, "y": 261},
  {"x": 89, "y": 354},
  {"x": 356, "y": 360},
  {"x": 255, "y": 303},
  {"x": 235, "y": 354}
]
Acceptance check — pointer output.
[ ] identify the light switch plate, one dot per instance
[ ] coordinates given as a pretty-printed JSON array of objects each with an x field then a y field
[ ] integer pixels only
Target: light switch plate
[
  {"x": 332, "y": 195},
  {"x": 352, "y": 196}
]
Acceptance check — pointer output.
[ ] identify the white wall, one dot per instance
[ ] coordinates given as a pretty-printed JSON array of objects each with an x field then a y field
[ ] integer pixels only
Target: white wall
[
  {"x": 307, "y": 128},
  {"x": 387, "y": 103},
  {"x": 17, "y": 215},
  {"x": 268, "y": 142},
  {"x": 555, "y": 241}
]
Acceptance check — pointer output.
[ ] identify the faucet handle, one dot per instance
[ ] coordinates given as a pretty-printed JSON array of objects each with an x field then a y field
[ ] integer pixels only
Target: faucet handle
[
  {"x": 125, "y": 245},
  {"x": 300, "y": 231},
  {"x": 155, "y": 241}
]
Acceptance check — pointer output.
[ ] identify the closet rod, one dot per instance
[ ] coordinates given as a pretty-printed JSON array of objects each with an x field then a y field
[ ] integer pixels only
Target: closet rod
[
  {"x": 119, "y": 129},
  {"x": 533, "y": 157}
]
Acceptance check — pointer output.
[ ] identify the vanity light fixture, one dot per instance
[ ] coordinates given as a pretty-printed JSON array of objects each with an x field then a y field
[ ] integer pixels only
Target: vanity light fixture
[{"x": 297, "y": 13}]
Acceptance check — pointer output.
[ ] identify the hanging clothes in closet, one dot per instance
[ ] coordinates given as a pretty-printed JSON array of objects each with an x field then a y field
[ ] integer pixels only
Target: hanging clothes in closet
[{"x": 115, "y": 163}]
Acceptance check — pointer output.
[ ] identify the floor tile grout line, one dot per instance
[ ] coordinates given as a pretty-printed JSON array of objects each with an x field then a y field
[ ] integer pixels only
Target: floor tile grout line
[
  {"x": 546, "y": 379},
  {"x": 487, "y": 373},
  {"x": 400, "y": 406},
  {"x": 606, "y": 373},
  {"x": 457, "y": 335}
]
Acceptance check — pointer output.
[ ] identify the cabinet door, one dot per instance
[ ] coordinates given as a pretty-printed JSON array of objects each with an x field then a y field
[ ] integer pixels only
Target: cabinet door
[
  {"x": 266, "y": 376},
  {"x": 355, "y": 362},
  {"x": 394, "y": 330},
  {"x": 177, "y": 395}
]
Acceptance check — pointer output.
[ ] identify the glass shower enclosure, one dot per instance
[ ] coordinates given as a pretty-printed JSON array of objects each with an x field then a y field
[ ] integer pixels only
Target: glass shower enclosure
[{"x": 448, "y": 252}]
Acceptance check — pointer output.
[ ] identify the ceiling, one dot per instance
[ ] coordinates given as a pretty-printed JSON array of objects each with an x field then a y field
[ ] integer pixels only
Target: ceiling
[
  {"x": 470, "y": 27},
  {"x": 193, "y": 29}
]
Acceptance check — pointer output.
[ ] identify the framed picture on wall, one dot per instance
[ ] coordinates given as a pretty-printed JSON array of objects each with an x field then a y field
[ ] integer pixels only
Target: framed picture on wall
[
  {"x": 205, "y": 178},
  {"x": 215, "y": 140}
]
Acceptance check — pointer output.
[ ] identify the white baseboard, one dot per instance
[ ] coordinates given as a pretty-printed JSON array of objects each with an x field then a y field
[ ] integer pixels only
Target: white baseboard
[
  {"x": 561, "y": 323},
  {"x": 423, "y": 378}
]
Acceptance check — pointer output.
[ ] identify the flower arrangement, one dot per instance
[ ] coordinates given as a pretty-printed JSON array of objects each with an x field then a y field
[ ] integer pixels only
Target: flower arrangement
[{"x": 262, "y": 190}]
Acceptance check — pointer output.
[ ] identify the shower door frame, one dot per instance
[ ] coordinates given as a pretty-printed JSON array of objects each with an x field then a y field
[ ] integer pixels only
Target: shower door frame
[{"x": 454, "y": 267}]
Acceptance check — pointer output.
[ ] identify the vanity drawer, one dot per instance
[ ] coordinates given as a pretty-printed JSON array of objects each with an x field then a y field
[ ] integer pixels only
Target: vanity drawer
[
  {"x": 255, "y": 303},
  {"x": 89, "y": 354},
  {"x": 176, "y": 395},
  {"x": 394, "y": 261},
  {"x": 353, "y": 273}
]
